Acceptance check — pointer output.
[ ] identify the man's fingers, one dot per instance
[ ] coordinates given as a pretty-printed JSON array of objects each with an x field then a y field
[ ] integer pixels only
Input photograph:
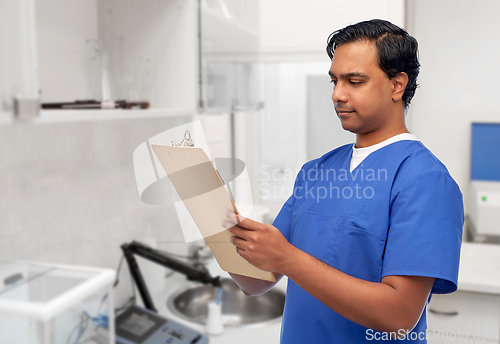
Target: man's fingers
[
  {"x": 238, "y": 231},
  {"x": 234, "y": 218},
  {"x": 241, "y": 228},
  {"x": 238, "y": 242},
  {"x": 241, "y": 221},
  {"x": 227, "y": 224}
]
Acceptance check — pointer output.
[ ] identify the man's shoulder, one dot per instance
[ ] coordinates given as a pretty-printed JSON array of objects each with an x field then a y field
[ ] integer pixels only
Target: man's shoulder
[{"x": 419, "y": 161}]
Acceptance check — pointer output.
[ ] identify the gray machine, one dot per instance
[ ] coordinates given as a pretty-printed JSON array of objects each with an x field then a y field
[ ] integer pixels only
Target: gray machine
[{"x": 141, "y": 326}]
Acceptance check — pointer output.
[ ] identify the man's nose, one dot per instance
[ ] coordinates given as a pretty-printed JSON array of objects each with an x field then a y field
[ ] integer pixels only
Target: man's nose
[{"x": 339, "y": 95}]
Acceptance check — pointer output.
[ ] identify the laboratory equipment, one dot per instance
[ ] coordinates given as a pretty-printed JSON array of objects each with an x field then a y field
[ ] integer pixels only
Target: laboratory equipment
[
  {"x": 55, "y": 304},
  {"x": 142, "y": 326},
  {"x": 94, "y": 104},
  {"x": 214, "y": 325},
  {"x": 484, "y": 195},
  {"x": 138, "y": 325},
  {"x": 484, "y": 213},
  {"x": 199, "y": 274}
]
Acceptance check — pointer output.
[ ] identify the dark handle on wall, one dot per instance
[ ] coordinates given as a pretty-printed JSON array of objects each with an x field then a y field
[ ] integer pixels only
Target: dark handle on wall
[{"x": 450, "y": 314}]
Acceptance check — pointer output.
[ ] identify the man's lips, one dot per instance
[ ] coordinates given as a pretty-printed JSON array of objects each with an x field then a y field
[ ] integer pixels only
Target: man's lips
[{"x": 342, "y": 112}]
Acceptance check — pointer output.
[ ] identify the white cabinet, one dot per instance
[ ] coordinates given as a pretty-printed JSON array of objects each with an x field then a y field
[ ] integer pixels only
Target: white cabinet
[
  {"x": 171, "y": 53},
  {"x": 98, "y": 49},
  {"x": 18, "y": 62},
  {"x": 229, "y": 49},
  {"x": 296, "y": 30},
  {"x": 474, "y": 310},
  {"x": 130, "y": 50},
  {"x": 464, "y": 317}
]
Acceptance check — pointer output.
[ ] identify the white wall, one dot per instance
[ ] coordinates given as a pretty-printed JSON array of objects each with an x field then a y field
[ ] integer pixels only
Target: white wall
[
  {"x": 69, "y": 193},
  {"x": 459, "y": 54},
  {"x": 285, "y": 121},
  {"x": 293, "y": 35},
  {"x": 297, "y": 29}
]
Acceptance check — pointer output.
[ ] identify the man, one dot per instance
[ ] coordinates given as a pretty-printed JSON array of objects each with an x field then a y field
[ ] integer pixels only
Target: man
[{"x": 372, "y": 229}]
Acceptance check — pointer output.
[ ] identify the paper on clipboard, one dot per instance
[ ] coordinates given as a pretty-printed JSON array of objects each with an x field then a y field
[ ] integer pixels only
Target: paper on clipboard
[{"x": 207, "y": 199}]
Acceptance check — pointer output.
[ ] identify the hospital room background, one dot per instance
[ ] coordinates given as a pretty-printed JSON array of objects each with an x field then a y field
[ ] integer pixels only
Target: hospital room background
[{"x": 254, "y": 75}]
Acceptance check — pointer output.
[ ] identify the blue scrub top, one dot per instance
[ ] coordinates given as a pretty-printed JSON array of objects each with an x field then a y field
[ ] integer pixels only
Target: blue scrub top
[{"x": 398, "y": 213}]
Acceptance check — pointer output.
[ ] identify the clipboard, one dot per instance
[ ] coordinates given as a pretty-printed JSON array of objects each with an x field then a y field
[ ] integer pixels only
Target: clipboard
[{"x": 206, "y": 198}]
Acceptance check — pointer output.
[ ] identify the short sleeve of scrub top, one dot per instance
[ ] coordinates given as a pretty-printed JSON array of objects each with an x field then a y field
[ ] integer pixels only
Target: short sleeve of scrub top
[{"x": 425, "y": 223}]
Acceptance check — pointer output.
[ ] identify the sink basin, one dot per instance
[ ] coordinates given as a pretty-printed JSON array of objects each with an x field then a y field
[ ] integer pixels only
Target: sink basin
[{"x": 237, "y": 308}]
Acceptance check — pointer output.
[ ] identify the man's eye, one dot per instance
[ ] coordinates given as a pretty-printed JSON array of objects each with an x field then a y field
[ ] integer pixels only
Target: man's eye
[
  {"x": 333, "y": 82},
  {"x": 356, "y": 82}
]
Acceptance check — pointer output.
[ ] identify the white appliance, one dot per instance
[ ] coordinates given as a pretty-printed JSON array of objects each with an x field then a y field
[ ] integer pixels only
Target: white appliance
[
  {"x": 55, "y": 304},
  {"x": 484, "y": 207},
  {"x": 484, "y": 199}
]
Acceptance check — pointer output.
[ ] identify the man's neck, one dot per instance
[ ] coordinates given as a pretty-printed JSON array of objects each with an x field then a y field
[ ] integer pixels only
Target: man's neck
[{"x": 370, "y": 139}]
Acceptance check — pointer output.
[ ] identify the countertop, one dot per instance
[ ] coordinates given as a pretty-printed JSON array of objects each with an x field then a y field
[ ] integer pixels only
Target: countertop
[{"x": 479, "y": 268}]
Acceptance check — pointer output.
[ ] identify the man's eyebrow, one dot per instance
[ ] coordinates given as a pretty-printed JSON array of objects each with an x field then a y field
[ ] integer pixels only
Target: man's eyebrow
[
  {"x": 348, "y": 75},
  {"x": 360, "y": 74}
]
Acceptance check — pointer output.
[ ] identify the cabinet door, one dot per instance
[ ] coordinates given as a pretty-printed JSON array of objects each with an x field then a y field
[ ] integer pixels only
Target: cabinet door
[
  {"x": 18, "y": 64},
  {"x": 464, "y": 317},
  {"x": 228, "y": 44}
]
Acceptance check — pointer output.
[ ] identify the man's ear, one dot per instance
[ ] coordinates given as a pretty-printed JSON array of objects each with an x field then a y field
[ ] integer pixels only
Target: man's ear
[{"x": 399, "y": 82}]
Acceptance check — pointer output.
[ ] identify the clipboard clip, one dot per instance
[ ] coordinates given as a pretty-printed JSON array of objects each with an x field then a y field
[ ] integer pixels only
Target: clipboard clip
[{"x": 186, "y": 142}]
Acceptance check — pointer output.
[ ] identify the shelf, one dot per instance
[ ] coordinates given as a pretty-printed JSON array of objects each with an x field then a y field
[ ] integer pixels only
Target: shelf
[
  {"x": 51, "y": 116},
  {"x": 60, "y": 116}
]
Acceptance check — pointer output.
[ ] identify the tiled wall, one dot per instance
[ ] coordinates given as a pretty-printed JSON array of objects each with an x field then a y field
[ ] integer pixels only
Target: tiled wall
[{"x": 68, "y": 192}]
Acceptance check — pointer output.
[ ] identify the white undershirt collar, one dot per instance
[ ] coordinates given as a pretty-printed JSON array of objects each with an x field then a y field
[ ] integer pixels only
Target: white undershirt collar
[{"x": 359, "y": 154}]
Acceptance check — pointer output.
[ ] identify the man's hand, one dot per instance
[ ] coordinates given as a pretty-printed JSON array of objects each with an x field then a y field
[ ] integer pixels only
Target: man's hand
[{"x": 262, "y": 245}]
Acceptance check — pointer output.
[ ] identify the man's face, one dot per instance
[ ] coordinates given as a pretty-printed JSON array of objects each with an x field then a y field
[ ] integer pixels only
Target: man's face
[{"x": 362, "y": 94}]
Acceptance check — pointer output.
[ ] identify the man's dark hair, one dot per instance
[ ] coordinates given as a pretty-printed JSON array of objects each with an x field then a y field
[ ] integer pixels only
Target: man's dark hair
[{"x": 397, "y": 50}]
